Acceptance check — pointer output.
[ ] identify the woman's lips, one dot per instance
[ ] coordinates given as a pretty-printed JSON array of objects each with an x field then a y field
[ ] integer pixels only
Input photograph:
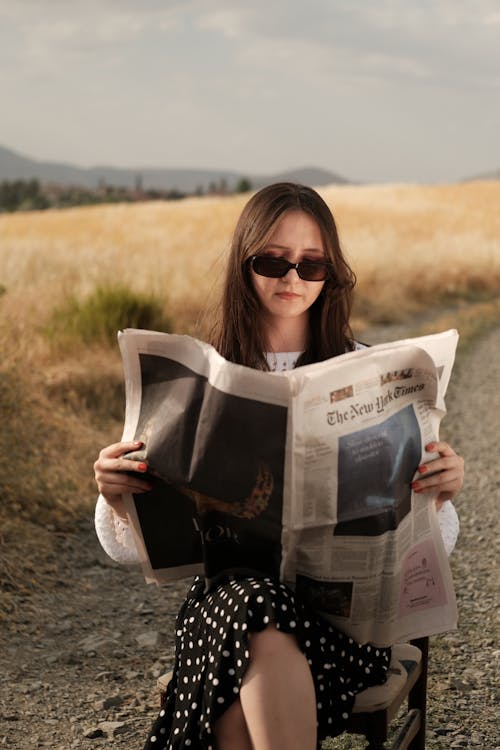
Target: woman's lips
[{"x": 288, "y": 295}]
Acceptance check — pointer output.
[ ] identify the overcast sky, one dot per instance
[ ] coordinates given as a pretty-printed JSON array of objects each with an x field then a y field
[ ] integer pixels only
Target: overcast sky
[{"x": 381, "y": 90}]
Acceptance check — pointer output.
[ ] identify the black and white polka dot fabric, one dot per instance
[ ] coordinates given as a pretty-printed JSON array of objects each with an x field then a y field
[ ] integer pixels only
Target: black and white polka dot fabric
[{"x": 212, "y": 655}]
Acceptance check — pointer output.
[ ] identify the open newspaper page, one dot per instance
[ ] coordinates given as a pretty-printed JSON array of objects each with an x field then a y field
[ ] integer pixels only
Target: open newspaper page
[
  {"x": 302, "y": 475},
  {"x": 215, "y": 442},
  {"x": 359, "y": 545}
]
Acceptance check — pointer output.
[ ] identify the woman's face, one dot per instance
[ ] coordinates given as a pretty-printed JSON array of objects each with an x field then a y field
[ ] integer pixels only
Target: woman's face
[{"x": 297, "y": 237}]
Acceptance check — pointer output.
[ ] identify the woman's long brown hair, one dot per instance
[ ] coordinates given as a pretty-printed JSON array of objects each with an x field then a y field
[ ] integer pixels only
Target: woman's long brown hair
[{"x": 238, "y": 333}]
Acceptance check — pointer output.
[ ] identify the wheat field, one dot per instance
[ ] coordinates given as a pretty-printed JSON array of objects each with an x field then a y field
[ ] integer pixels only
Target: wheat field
[{"x": 412, "y": 248}]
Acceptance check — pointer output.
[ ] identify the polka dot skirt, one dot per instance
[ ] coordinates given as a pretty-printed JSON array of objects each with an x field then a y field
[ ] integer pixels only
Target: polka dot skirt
[{"x": 212, "y": 655}]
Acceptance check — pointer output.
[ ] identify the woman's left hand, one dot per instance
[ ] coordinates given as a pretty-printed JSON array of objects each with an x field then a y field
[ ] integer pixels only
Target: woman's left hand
[{"x": 447, "y": 473}]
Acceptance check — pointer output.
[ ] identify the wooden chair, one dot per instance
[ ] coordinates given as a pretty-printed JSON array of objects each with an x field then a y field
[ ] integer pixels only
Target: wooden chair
[{"x": 376, "y": 708}]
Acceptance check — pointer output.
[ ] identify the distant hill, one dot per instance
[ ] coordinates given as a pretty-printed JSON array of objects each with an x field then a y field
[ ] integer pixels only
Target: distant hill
[
  {"x": 305, "y": 176},
  {"x": 15, "y": 166},
  {"x": 495, "y": 175}
]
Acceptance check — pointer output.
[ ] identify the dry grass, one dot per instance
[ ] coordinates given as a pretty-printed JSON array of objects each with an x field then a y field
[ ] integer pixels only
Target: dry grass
[
  {"x": 169, "y": 249},
  {"x": 47, "y": 450},
  {"x": 415, "y": 249}
]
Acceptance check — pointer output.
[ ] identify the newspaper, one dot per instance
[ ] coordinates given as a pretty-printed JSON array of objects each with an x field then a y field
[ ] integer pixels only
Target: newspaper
[{"x": 302, "y": 475}]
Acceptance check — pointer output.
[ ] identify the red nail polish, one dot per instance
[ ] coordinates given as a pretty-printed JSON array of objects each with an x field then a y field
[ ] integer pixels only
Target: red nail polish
[
  {"x": 422, "y": 469},
  {"x": 142, "y": 467},
  {"x": 414, "y": 486}
]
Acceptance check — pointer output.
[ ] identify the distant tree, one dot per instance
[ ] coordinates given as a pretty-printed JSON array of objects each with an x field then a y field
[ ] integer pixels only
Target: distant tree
[
  {"x": 24, "y": 195},
  {"x": 29, "y": 195},
  {"x": 244, "y": 185},
  {"x": 174, "y": 194}
]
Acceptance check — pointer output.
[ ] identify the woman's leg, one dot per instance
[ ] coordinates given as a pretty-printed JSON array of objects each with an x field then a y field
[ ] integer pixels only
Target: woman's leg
[
  {"x": 277, "y": 698},
  {"x": 231, "y": 729}
]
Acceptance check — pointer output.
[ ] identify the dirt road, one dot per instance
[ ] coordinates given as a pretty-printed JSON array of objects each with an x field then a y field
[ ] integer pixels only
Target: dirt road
[{"x": 80, "y": 660}]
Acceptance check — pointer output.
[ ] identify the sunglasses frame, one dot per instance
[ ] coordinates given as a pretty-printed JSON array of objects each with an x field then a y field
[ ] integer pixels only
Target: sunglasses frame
[{"x": 325, "y": 264}]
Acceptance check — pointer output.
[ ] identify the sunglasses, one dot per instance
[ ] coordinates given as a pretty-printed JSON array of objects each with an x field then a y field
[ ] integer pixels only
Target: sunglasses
[{"x": 276, "y": 268}]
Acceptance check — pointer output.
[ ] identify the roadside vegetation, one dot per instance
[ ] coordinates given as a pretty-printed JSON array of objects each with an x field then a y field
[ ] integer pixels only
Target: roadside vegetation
[{"x": 106, "y": 310}]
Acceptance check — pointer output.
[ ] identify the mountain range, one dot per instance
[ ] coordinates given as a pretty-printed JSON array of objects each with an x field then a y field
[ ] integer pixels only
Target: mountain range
[{"x": 15, "y": 166}]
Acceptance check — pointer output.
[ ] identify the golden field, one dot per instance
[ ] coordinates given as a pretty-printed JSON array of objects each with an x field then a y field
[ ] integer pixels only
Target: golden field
[
  {"x": 425, "y": 253},
  {"x": 412, "y": 247}
]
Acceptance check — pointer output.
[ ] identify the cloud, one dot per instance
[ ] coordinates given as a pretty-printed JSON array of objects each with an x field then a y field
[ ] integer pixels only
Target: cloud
[
  {"x": 453, "y": 41},
  {"x": 450, "y": 40},
  {"x": 47, "y": 31},
  {"x": 80, "y": 45},
  {"x": 231, "y": 22}
]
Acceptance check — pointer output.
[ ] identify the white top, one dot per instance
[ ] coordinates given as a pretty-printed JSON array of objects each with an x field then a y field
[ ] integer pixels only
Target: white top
[
  {"x": 281, "y": 361},
  {"x": 116, "y": 536}
]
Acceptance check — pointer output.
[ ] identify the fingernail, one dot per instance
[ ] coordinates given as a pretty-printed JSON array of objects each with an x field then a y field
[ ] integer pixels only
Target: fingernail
[
  {"x": 415, "y": 486},
  {"x": 138, "y": 443},
  {"x": 422, "y": 469},
  {"x": 142, "y": 467},
  {"x": 430, "y": 447}
]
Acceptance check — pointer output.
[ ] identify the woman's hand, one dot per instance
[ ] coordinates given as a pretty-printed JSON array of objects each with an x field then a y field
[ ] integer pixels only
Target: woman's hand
[
  {"x": 447, "y": 473},
  {"x": 111, "y": 475}
]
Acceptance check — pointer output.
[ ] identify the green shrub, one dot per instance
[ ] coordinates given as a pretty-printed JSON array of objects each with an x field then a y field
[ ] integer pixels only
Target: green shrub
[{"x": 108, "y": 309}]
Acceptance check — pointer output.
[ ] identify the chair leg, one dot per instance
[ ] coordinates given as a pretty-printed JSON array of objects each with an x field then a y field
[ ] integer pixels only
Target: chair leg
[
  {"x": 377, "y": 732},
  {"x": 418, "y": 695}
]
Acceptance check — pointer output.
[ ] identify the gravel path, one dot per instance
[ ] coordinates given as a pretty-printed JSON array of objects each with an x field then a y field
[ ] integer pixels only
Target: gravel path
[{"x": 80, "y": 661}]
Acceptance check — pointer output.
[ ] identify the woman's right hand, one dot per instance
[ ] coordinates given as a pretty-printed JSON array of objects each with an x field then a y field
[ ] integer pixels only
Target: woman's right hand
[{"x": 116, "y": 475}]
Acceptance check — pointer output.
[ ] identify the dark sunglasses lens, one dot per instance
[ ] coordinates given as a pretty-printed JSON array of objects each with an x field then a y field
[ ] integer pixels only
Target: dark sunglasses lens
[
  {"x": 276, "y": 268},
  {"x": 313, "y": 271},
  {"x": 271, "y": 267}
]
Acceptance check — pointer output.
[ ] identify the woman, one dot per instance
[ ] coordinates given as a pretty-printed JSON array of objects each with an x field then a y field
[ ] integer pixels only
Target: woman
[{"x": 255, "y": 668}]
